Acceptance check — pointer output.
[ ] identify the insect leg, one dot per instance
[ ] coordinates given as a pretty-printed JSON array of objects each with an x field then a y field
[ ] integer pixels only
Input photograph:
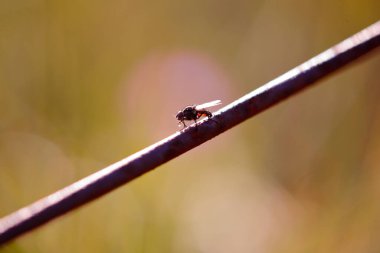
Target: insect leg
[
  {"x": 196, "y": 126},
  {"x": 183, "y": 122}
]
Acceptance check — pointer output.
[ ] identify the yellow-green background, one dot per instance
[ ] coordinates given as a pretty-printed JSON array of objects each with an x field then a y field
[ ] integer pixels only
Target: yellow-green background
[{"x": 86, "y": 83}]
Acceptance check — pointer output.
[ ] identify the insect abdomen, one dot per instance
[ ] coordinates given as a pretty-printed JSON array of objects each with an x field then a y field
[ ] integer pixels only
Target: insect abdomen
[{"x": 204, "y": 113}]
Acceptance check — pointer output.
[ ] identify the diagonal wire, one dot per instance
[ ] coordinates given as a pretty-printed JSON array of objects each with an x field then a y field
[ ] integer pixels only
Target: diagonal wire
[{"x": 122, "y": 172}]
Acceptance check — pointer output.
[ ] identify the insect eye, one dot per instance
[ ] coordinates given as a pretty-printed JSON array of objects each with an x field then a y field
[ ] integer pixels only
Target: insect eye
[{"x": 179, "y": 115}]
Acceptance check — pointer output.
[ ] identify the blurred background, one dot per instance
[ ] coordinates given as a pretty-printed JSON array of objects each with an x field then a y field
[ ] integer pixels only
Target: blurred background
[{"x": 84, "y": 84}]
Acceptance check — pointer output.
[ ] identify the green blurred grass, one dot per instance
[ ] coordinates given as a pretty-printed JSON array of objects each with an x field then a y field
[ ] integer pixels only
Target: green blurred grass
[{"x": 84, "y": 84}]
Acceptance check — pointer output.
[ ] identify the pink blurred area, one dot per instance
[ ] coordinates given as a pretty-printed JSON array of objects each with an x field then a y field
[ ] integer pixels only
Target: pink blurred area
[{"x": 160, "y": 84}]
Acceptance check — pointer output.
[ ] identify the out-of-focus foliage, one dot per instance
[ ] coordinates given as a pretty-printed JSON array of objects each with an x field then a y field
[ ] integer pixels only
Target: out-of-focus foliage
[{"x": 86, "y": 83}]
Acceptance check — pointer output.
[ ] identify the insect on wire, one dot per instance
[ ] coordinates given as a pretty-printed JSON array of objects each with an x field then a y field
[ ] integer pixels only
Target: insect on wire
[{"x": 194, "y": 112}]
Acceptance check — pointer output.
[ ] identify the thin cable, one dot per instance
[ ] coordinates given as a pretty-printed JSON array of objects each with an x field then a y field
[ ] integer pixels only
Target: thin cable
[{"x": 124, "y": 171}]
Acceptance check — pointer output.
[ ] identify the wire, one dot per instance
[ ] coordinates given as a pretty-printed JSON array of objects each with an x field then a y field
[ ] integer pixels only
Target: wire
[{"x": 124, "y": 171}]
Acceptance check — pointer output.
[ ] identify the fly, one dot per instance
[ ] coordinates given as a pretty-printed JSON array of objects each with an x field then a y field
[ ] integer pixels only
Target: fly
[{"x": 194, "y": 112}]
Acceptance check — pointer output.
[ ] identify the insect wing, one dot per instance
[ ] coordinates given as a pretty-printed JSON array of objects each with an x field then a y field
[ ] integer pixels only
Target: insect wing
[{"x": 208, "y": 104}]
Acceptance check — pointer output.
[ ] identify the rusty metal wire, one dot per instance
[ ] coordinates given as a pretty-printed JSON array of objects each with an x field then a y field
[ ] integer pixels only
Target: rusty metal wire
[{"x": 124, "y": 171}]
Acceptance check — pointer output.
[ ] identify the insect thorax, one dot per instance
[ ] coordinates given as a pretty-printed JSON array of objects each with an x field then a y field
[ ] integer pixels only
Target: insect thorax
[{"x": 189, "y": 113}]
